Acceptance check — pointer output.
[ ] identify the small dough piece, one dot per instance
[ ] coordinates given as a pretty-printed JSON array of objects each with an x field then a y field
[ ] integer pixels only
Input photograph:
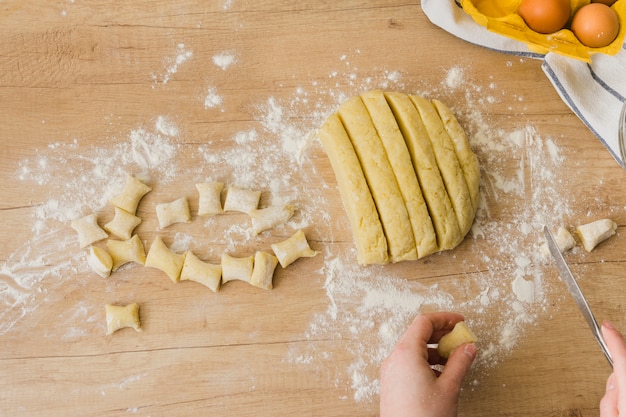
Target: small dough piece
[
  {"x": 239, "y": 199},
  {"x": 267, "y": 218},
  {"x": 100, "y": 261},
  {"x": 592, "y": 234},
  {"x": 564, "y": 240},
  {"x": 203, "y": 272},
  {"x": 133, "y": 192},
  {"x": 119, "y": 317},
  {"x": 88, "y": 230},
  {"x": 293, "y": 248},
  {"x": 210, "y": 198},
  {"x": 448, "y": 163},
  {"x": 125, "y": 251},
  {"x": 263, "y": 272},
  {"x": 163, "y": 258},
  {"x": 397, "y": 151},
  {"x": 176, "y": 211},
  {"x": 367, "y": 230},
  {"x": 123, "y": 224},
  {"x": 460, "y": 335},
  {"x": 380, "y": 178},
  {"x": 237, "y": 268},
  {"x": 423, "y": 157},
  {"x": 467, "y": 158}
]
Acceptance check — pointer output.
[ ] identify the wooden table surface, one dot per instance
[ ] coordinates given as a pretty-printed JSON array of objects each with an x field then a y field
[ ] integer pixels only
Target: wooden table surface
[{"x": 187, "y": 91}]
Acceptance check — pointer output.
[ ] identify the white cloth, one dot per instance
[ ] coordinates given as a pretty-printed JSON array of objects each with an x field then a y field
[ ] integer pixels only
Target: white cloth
[{"x": 595, "y": 92}]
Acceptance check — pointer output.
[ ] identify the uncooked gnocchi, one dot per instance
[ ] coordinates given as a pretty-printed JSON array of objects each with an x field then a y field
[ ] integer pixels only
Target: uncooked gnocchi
[
  {"x": 119, "y": 317},
  {"x": 122, "y": 224},
  {"x": 100, "y": 261},
  {"x": 163, "y": 258},
  {"x": 237, "y": 268},
  {"x": 133, "y": 192},
  {"x": 267, "y": 218},
  {"x": 210, "y": 198},
  {"x": 176, "y": 211},
  {"x": 239, "y": 199},
  {"x": 88, "y": 230},
  {"x": 125, "y": 251},
  {"x": 263, "y": 270},
  {"x": 293, "y": 248},
  {"x": 205, "y": 273}
]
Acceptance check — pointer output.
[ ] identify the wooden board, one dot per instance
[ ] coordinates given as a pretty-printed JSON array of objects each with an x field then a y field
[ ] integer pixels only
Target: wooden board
[{"x": 89, "y": 92}]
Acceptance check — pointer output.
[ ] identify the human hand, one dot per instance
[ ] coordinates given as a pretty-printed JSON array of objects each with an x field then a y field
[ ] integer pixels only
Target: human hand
[
  {"x": 613, "y": 404},
  {"x": 409, "y": 386}
]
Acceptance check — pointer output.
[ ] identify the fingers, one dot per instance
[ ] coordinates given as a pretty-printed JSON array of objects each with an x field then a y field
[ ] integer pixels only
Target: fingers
[
  {"x": 608, "y": 404},
  {"x": 428, "y": 328},
  {"x": 456, "y": 368}
]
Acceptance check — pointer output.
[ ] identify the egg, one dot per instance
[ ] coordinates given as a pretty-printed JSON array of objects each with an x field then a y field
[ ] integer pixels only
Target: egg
[
  {"x": 545, "y": 16},
  {"x": 595, "y": 25}
]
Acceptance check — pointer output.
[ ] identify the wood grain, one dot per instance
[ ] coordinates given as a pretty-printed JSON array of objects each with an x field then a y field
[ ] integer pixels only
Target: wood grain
[{"x": 80, "y": 76}]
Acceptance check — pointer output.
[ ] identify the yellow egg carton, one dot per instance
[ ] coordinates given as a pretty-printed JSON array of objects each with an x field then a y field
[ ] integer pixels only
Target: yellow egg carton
[{"x": 500, "y": 16}]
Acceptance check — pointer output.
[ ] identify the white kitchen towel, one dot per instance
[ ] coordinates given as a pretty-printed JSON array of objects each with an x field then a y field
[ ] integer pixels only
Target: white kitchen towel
[{"x": 595, "y": 92}]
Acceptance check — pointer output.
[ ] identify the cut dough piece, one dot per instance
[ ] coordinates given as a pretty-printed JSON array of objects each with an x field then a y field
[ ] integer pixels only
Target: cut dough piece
[
  {"x": 293, "y": 248},
  {"x": 125, "y": 251},
  {"x": 459, "y": 335},
  {"x": 423, "y": 157},
  {"x": 205, "y": 273},
  {"x": 239, "y": 199},
  {"x": 123, "y": 224},
  {"x": 210, "y": 200},
  {"x": 133, "y": 192},
  {"x": 237, "y": 268},
  {"x": 448, "y": 163},
  {"x": 564, "y": 240},
  {"x": 267, "y": 218},
  {"x": 100, "y": 261},
  {"x": 176, "y": 211},
  {"x": 163, "y": 258},
  {"x": 263, "y": 271},
  {"x": 397, "y": 151},
  {"x": 594, "y": 233},
  {"x": 368, "y": 232},
  {"x": 467, "y": 158},
  {"x": 380, "y": 178},
  {"x": 88, "y": 230},
  {"x": 119, "y": 317}
]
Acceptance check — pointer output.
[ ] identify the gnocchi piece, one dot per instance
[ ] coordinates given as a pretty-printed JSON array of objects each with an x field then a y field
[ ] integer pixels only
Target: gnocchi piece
[
  {"x": 263, "y": 271},
  {"x": 100, "y": 261},
  {"x": 205, "y": 273},
  {"x": 119, "y": 317},
  {"x": 594, "y": 233},
  {"x": 210, "y": 201},
  {"x": 123, "y": 224},
  {"x": 237, "y": 268},
  {"x": 239, "y": 199},
  {"x": 267, "y": 218},
  {"x": 564, "y": 240},
  {"x": 176, "y": 211},
  {"x": 88, "y": 230},
  {"x": 293, "y": 248},
  {"x": 133, "y": 192},
  {"x": 125, "y": 251},
  {"x": 163, "y": 258},
  {"x": 459, "y": 335}
]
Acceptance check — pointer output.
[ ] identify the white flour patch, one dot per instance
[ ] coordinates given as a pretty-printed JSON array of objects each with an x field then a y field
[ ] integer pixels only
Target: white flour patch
[
  {"x": 172, "y": 64},
  {"x": 224, "y": 60},
  {"x": 212, "y": 99}
]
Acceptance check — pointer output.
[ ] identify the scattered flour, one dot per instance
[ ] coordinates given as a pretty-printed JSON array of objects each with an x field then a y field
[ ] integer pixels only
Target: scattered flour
[
  {"x": 212, "y": 99},
  {"x": 172, "y": 64},
  {"x": 224, "y": 60}
]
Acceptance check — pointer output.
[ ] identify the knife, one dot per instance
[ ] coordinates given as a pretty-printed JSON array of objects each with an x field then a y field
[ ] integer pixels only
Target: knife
[{"x": 574, "y": 289}]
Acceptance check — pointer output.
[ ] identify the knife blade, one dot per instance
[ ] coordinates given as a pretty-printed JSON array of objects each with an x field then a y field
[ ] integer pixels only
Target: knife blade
[{"x": 577, "y": 294}]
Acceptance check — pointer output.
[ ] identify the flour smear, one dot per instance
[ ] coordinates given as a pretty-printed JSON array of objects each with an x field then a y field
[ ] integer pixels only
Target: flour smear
[{"x": 368, "y": 308}]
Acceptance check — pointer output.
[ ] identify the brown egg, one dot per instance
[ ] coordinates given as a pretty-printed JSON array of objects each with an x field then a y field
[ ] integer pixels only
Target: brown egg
[
  {"x": 607, "y": 2},
  {"x": 545, "y": 16},
  {"x": 595, "y": 25}
]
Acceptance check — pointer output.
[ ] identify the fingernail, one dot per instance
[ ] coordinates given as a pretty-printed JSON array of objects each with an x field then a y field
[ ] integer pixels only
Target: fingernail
[
  {"x": 470, "y": 350},
  {"x": 608, "y": 325}
]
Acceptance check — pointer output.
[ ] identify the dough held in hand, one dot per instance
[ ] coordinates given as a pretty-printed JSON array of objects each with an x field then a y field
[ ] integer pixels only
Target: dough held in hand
[{"x": 460, "y": 335}]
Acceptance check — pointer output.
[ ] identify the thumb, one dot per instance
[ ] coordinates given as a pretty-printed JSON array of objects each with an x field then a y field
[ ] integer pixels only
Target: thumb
[{"x": 457, "y": 366}]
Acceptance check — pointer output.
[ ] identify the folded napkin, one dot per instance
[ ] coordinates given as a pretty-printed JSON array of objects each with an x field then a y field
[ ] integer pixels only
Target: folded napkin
[{"x": 594, "y": 91}]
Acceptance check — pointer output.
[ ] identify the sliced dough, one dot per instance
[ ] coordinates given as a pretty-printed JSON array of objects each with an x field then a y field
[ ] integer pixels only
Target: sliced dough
[
  {"x": 357, "y": 200},
  {"x": 269, "y": 217},
  {"x": 290, "y": 250},
  {"x": 237, "y": 268},
  {"x": 203, "y": 272},
  {"x": 100, "y": 261},
  {"x": 122, "y": 224},
  {"x": 133, "y": 192},
  {"x": 163, "y": 258},
  {"x": 263, "y": 271},
  {"x": 125, "y": 251},
  {"x": 397, "y": 151},
  {"x": 448, "y": 163},
  {"x": 467, "y": 158},
  {"x": 423, "y": 157},
  {"x": 88, "y": 230},
  {"x": 176, "y": 211},
  {"x": 210, "y": 200},
  {"x": 380, "y": 178},
  {"x": 119, "y": 317}
]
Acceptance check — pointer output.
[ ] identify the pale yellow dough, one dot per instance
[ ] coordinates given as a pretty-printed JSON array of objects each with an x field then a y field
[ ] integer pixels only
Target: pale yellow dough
[{"x": 119, "y": 317}]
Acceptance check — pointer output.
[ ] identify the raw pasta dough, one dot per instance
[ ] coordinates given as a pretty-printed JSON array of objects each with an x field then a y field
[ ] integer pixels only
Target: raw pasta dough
[
  {"x": 288, "y": 251},
  {"x": 176, "y": 211},
  {"x": 269, "y": 217},
  {"x": 237, "y": 268},
  {"x": 163, "y": 258},
  {"x": 263, "y": 270},
  {"x": 119, "y": 317},
  {"x": 100, "y": 261},
  {"x": 122, "y": 224},
  {"x": 125, "y": 251},
  {"x": 133, "y": 192},
  {"x": 205, "y": 273},
  {"x": 210, "y": 200},
  {"x": 239, "y": 199},
  {"x": 88, "y": 230}
]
